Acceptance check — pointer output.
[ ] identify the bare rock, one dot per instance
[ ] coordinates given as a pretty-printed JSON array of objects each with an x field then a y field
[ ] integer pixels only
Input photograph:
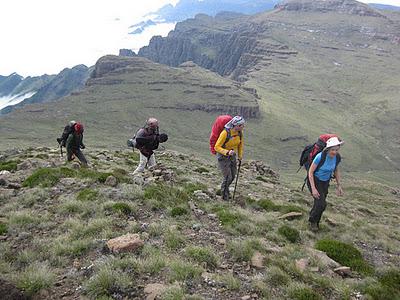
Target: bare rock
[
  {"x": 153, "y": 290},
  {"x": 343, "y": 271},
  {"x": 291, "y": 216},
  {"x": 25, "y": 165},
  {"x": 9, "y": 291},
  {"x": 201, "y": 195},
  {"x": 257, "y": 261},
  {"x": 125, "y": 243},
  {"x": 111, "y": 181},
  {"x": 247, "y": 297},
  {"x": 331, "y": 222},
  {"x": 5, "y": 173},
  {"x": 325, "y": 259}
]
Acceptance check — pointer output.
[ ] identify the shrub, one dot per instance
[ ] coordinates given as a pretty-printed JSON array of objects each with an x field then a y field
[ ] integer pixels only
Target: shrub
[
  {"x": 3, "y": 228},
  {"x": 291, "y": 234},
  {"x": 87, "y": 195},
  {"x": 268, "y": 205},
  {"x": 202, "y": 255},
  {"x": 277, "y": 277},
  {"x": 10, "y": 165},
  {"x": 243, "y": 250},
  {"x": 345, "y": 254},
  {"x": 35, "y": 278},
  {"x": 179, "y": 211}
]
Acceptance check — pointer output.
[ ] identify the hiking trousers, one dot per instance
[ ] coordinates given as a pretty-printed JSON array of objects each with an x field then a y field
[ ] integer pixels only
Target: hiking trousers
[
  {"x": 319, "y": 203},
  {"x": 78, "y": 154},
  {"x": 228, "y": 167},
  {"x": 150, "y": 162}
]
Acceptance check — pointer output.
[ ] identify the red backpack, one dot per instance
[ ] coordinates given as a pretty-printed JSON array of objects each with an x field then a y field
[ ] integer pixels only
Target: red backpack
[{"x": 217, "y": 128}]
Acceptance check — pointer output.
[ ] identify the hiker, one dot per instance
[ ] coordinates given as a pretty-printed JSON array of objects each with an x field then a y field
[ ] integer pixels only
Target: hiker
[
  {"x": 68, "y": 129},
  {"x": 229, "y": 148},
  {"x": 322, "y": 169},
  {"x": 74, "y": 144},
  {"x": 147, "y": 139}
]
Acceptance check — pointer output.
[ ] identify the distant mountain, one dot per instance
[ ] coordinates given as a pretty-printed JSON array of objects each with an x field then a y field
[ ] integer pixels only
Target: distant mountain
[
  {"x": 15, "y": 91},
  {"x": 384, "y": 6},
  {"x": 186, "y": 9}
]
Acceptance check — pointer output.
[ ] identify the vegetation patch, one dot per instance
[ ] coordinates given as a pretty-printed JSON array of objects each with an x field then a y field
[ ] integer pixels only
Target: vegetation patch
[
  {"x": 3, "y": 228},
  {"x": 35, "y": 278},
  {"x": 174, "y": 240},
  {"x": 182, "y": 271},
  {"x": 387, "y": 287},
  {"x": 10, "y": 165},
  {"x": 122, "y": 208},
  {"x": 304, "y": 293},
  {"x": 87, "y": 195},
  {"x": 243, "y": 250},
  {"x": 291, "y": 234},
  {"x": 231, "y": 282},
  {"x": 269, "y": 205},
  {"x": 48, "y": 177},
  {"x": 191, "y": 187},
  {"x": 227, "y": 216},
  {"x": 201, "y": 170},
  {"x": 166, "y": 195},
  {"x": 202, "y": 255},
  {"x": 179, "y": 211},
  {"x": 345, "y": 254}
]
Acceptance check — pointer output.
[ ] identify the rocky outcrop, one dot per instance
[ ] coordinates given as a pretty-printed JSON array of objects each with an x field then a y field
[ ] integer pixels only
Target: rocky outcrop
[
  {"x": 322, "y": 6},
  {"x": 127, "y": 53}
]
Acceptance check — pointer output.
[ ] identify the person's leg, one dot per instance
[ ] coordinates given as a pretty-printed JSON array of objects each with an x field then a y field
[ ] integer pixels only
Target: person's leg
[
  {"x": 319, "y": 203},
  {"x": 79, "y": 154},
  {"x": 70, "y": 155},
  {"x": 142, "y": 164},
  {"x": 225, "y": 167},
  {"x": 152, "y": 161}
]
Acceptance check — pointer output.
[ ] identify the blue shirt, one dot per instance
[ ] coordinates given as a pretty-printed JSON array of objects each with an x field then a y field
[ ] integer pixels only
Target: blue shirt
[{"x": 324, "y": 173}]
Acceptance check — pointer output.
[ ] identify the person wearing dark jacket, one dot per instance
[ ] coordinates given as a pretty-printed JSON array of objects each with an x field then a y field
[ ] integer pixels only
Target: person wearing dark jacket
[
  {"x": 147, "y": 140},
  {"x": 68, "y": 129},
  {"x": 74, "y": 144}
]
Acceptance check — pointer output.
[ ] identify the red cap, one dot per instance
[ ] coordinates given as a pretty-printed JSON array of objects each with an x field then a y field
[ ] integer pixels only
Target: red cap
[{"x": 78, "y": 128}]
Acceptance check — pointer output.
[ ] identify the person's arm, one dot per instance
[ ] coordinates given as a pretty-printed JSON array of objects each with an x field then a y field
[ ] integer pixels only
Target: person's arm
[
  {"x": 220, "y": 142},
  {"x": 339, "y": 190},
  {"x": 314, "y": 190},
  {"x": 144, "y": 140},
  {"x": 81, "y": 145},
  {"x": 240, "y": 148}
]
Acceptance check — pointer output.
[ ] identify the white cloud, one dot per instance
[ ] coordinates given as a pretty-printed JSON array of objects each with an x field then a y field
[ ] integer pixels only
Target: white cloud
[{"x": 44, "y": 36}]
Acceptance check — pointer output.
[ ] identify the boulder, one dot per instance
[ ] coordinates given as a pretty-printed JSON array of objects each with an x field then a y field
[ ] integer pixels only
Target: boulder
[
  {"x": 25, "y": 165},
  {"x": 125, "y": 243},
  {"x": 111, "y": 181},
  {"x": 324, "y": 259},
  {"x": 343, "y": 271},
  {"x": 291, "y": 216}
]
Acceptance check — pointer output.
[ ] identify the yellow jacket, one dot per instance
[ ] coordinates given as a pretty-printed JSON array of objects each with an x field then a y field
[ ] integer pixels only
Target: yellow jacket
[{"x": 235, "y": 143}]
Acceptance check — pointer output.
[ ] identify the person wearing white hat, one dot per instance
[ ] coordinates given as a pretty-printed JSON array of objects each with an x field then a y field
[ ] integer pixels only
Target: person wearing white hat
[{"x": 323, "y": 168}]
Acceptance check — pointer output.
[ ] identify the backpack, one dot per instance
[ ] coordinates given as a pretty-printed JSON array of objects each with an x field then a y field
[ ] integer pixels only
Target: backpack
[
  {"x": 217, "y": 128},
  {"x": 310, "y": 152},
  {"x": 68, "y": 129}
]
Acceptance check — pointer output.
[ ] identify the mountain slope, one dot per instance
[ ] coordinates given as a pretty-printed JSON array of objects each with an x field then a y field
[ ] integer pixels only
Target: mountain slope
[{"x": 319, "y": 66}]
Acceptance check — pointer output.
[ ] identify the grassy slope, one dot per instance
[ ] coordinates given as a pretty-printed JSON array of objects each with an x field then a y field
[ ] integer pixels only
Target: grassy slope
[{"x": 64, "y": 227}]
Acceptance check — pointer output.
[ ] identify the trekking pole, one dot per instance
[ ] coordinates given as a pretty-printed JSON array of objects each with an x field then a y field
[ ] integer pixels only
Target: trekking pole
[
  {"x": 62, "y": 155},
  {"x": 237, "y": 178}
]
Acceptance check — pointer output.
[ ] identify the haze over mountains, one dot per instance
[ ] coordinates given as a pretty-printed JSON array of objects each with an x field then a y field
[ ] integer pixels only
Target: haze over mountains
[{"x": 303, "y": 68}]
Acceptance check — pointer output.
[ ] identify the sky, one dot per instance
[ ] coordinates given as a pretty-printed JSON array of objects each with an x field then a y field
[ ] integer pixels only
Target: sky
[{"x": 45, "y": 36}]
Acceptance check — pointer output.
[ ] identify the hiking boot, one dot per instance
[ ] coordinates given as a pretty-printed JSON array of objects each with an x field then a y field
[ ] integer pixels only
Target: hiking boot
[{"x": 314, "y": 227}]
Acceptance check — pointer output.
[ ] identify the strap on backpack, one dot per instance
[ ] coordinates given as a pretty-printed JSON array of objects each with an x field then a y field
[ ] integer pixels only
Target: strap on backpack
[{"x": 228, "y": 137}]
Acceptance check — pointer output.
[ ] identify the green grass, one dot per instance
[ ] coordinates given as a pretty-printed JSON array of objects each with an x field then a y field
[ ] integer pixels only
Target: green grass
[
  {"x": 165, "y": 195},
  {"x": 173, "y": 293},
  {"x": 231, "y": 282},
  {"x": 35, "y": 278},
  {"x": 201, "y": 170},
  {"x": 182, "y": 271},
  {"x": 191, "y": 187},
  {"x": 305, "y": 293},
  {"x": 345, "y": 254},
  {"x": 122, "y": 208},
  {"x": 10, "y": 165},
  {"x": 87, "y": 195},
  {"x": 202, "y": 255},
  {"x": 291, "y": 234},
  {"x": 178, "y": 211},
  {"x": 72, "y": 248},
  {"x": 387, "y": 287},
  {"x": 227, "y": 216},
  {"x": 3, "y": 228},
  {"x": 174, "y": 240},
  {"x": 243, "y": 250},
  {"x": 47, "y": 177},
  {"x": 269, "y": 205}
]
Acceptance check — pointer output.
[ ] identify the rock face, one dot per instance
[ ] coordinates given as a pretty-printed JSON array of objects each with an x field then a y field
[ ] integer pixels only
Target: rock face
[
  {"x": 232, "y": 51},
  {"x": 342, "y": 6},
  {"x": 125, "y": 243},
  {"x": 126, "y": 53}
]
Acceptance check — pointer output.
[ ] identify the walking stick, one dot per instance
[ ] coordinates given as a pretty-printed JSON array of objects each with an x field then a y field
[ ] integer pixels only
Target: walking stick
[
  {"x": 62, "y": 155},
  {"x": 237, "y": 178}
]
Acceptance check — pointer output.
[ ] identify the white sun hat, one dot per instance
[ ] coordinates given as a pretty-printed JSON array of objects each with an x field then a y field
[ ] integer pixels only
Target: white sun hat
[{"x": 332, "y": 142}]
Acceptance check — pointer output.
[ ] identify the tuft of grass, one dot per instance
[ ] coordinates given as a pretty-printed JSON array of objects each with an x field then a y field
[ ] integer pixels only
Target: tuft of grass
[
  {"x": 48, "y": 177},
  {"x": 173, "y": 293},
  {"x": 10, "y": 165},
  {"x": 106, "y": 282},
  {"x": 182, "y": 271},
  {"x": 231, "y": 282},
  {"x": 122, "y": 208},
  {"x": 174, "y": 240},
  {"x": 191, "y": 187},
  {"x": 345, "y": 254},
  {"x": 291, "y": 234},
  {"x": 277, "y": 277},
  {"x": 166, "y": 195},
  {"x": 74, "y": 248},
  {"x": 35, "y": 278},
  {"x": 87, "y": 195},
  {"x": 387, "y": 287},
  {"x": 179, "y": 211},
  {"x": 202, "y": 255},
  {"x": 201, "y": 170},
  {"x": 227, "y": 216},
  {"x": 304, "y": 293},
  {"x": 152, "y": 261},
  {"x": 3, "y": 228},
  {"x": 23, "y": 219},
  {"x": 243, "y": 250},
  {"x": 269, "y": 205}
]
